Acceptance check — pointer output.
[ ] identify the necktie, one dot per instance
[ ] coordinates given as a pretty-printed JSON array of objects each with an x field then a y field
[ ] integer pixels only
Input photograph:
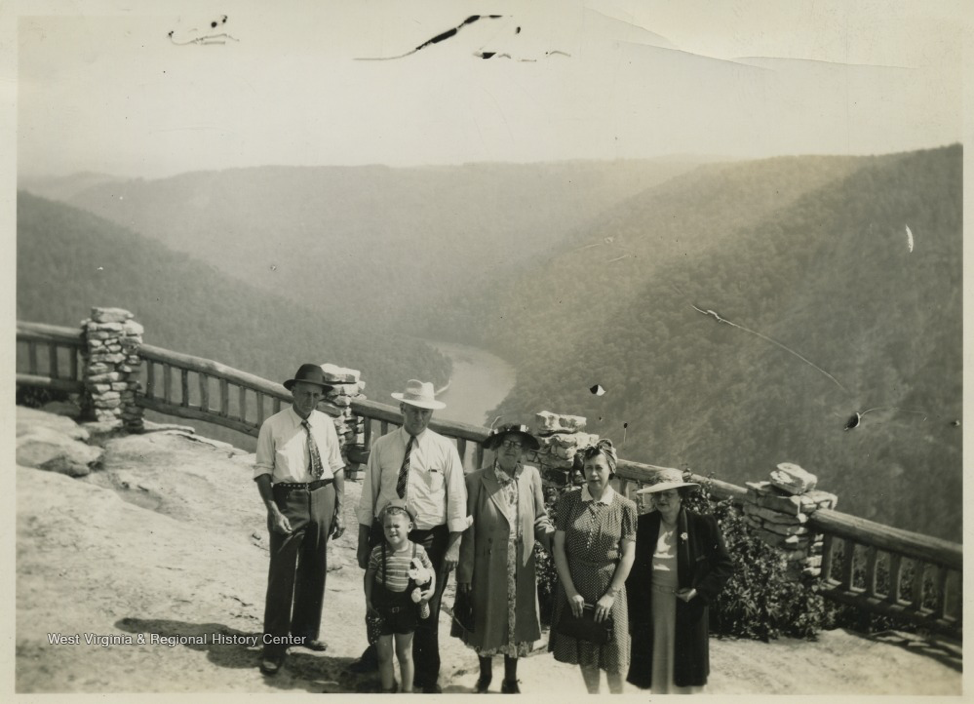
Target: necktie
[
  {"x": 317, "y": 469},
  {"x": 404, "y": 470}
]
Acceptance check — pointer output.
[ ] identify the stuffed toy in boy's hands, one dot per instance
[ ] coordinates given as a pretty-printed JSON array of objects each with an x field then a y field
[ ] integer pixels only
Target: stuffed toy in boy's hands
[{"x": 422, "y": 577}]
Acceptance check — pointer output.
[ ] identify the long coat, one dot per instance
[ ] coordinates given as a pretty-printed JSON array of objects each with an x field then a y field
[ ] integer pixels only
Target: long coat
[
  {"x": 703, "y": 564},
  {"x": 483, "y": 558}
]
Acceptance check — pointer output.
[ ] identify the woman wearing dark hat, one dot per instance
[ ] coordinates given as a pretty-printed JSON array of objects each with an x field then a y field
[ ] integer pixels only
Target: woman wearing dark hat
[
  {"x": 593, "y": 550},
  {"x": 681, "y": 565},
  {"x": 497, "y": 566}
]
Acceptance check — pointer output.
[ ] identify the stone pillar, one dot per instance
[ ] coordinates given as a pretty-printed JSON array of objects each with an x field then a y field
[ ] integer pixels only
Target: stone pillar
[
  {"x": 351, "y": 429},
  {"x": 561, "y": 437},
  {"x": 111, "y": 366},
  {"x": 778, "y": 512}
]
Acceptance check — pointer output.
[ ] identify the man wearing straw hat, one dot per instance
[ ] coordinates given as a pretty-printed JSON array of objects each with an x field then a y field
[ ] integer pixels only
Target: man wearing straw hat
[
  {"x": 423, "y": 468},
  {"x": 299, "y": 473}
]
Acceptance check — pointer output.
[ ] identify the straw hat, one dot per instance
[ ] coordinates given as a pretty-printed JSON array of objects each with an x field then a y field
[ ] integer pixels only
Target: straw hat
[
  {"x": 664, "y": 479},
  {"x": 420, "y": 394}
]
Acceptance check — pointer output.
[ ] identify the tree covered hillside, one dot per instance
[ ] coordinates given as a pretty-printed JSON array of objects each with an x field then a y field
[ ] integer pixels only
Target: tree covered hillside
[
  {"x": 372, "y": 242},
  {"x": 69, "y": 260},
  {"x": 827, "y": 272}
]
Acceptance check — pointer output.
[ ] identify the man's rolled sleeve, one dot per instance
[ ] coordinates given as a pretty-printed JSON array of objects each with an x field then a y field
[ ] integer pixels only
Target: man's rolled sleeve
[
  {"x": 456, "y": 493},
  {"x": 264, "y": 463}
]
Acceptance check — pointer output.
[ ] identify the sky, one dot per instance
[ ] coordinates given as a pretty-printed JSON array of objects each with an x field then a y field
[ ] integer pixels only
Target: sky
[{"x": 103, "y": 88}]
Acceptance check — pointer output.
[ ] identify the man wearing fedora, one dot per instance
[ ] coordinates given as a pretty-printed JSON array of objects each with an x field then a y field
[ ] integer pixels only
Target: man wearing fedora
[
  {"x": 423, "y": 468},
  {"x": 299, "y": 473}
]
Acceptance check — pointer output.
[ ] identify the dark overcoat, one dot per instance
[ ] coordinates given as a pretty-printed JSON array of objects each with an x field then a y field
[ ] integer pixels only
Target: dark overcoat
[
  {"x": 703, "y": 564},
  {"x": 483, "y": 558}
]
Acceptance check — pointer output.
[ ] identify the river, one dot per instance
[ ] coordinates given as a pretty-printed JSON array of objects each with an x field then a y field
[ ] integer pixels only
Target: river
[{"x": 479, "y": 383}]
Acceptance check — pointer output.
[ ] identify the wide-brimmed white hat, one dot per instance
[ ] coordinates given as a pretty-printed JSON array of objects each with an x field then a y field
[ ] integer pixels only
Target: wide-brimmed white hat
[
  {"x": 664, "y": 479},
  {"x": 420, "y": 394}
]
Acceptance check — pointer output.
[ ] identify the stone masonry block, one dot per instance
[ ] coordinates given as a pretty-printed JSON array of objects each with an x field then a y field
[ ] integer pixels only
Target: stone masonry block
[
  {"x": 547, "y": 422},
  {"x": 340, "y": 375},
  {"x": 793, "y": 479},
  {"x": 110, "y": 315},
  {"x": 767, "y": 514}
]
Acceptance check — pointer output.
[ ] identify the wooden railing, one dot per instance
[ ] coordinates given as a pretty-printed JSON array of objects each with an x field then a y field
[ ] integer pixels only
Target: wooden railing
[
  {"x": 889, "y": 571},
  {"x": 58, "y": 366},
  {"x": 873, "y": 567}
]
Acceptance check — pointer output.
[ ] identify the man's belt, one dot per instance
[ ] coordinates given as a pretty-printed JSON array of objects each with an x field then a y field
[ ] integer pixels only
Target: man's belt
[{"x": 304, "y": 486}]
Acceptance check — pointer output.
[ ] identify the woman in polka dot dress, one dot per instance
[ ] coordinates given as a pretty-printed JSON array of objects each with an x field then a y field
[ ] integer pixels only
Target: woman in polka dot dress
[{"x": 595, "y": 533}]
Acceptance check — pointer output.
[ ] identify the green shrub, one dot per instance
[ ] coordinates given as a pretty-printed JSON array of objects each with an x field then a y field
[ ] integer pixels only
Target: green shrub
[{"x": 759, "y": 601}]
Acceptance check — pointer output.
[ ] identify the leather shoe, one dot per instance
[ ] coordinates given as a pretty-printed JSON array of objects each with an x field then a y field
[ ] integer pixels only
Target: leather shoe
[
  {"x": 483, "y": 683},
  {"x": 432, "y": 689},
  {"x": 319, "y": 646},
  {"x": 271, "y": 665},
  {"x": 510, "y": 687}
]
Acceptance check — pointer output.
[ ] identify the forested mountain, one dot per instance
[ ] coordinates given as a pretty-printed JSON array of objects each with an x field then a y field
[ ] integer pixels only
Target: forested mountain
[
  {"x": 373, "y": 242},
  {"x": 69, "y": 260},
  {"x": 852, "y": 264}
]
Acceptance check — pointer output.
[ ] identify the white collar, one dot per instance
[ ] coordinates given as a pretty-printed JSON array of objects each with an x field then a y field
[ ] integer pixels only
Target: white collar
[
  {"x": 405, "y": 435},
  {"x": 298, "y": 420},
  {"x": 607, "y": 495}
]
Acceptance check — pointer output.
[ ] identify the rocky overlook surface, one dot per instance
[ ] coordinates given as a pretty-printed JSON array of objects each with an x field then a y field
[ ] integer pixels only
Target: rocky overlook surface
[{"x": 136, "y": 542}]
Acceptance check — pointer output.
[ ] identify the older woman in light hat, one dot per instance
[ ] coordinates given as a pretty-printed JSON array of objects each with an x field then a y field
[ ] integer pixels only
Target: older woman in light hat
[
  {"x": 681, "y": 565},
  {"x": 497, "y": 566}
]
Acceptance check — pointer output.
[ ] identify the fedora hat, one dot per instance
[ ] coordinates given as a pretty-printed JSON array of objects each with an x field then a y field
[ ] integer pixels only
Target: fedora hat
[
  {"x": 497, "y": 435},
  {"x": 664, "y": 479},
  {"x": 420, "y": 394},
  {"x": 310, "y": 374}
]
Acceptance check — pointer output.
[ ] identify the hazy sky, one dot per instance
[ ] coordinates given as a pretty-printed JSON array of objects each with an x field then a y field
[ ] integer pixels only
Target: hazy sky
[{"x": 102, "y": 88}]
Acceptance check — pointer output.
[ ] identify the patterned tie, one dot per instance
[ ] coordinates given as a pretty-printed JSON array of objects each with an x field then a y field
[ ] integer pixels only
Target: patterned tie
[
  {"x": 404, "y": 470},
  {"x": 317, "y": 469}
]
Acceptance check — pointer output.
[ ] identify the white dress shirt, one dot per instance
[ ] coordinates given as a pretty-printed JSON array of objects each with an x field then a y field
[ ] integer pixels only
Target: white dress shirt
[
  {"x": 435, "y": 491},
  {"x": 282, "y": 447}
]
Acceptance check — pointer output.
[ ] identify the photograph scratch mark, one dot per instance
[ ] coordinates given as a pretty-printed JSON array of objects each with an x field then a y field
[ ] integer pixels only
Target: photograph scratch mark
[
  {"x": 442, "y": 36},
  {"x": 206, "y": 39},
  {"x": 772, "y": 341}
]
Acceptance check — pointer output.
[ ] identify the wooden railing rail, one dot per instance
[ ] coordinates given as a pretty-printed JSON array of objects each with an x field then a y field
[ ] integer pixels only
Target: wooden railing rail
[{"x": 871, "y": 566}]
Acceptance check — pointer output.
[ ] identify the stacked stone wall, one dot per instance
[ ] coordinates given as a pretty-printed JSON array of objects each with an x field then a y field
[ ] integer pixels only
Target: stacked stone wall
[
  {"x": 778, "y": 510},
  {"x": 348, "y": 387},
  {"x": 111, "y": 366}
]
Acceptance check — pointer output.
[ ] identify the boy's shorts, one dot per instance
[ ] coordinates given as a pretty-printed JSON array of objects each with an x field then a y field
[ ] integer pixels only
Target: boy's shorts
[{"x": 397, "y": 619}]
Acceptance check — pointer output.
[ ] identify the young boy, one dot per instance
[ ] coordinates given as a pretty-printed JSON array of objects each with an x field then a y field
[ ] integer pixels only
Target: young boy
[{"x": 388, "y": 593}]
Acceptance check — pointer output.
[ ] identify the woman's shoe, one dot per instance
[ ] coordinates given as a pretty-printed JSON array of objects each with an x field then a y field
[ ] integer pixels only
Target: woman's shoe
[
  {"x": 510, "y": 687},
  {"x": 482, "y": 685}
]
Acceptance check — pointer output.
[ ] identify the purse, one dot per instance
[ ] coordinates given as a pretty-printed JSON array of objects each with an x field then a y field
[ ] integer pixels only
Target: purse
[
  {"x": 585, "y": 627},
  {"x": 463, "y": 611}
]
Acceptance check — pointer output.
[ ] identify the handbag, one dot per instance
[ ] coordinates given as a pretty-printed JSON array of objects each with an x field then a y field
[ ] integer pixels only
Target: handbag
[
  {"x": 585, "y": 627},
  {"x": 463, "y": 611}
]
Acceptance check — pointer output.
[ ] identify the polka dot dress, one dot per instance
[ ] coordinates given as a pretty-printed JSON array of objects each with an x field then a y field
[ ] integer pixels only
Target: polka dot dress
[{"x": 593, "y": 544}]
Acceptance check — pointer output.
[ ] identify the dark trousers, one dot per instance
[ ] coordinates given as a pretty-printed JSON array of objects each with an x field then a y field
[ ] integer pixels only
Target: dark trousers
[
  {"x": 426, "y": 641},
  {"x": 298, "y": 565}
]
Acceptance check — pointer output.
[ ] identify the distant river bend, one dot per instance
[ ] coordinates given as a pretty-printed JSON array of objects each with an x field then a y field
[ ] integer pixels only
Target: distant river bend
[{"x": 480, "y": 381}]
